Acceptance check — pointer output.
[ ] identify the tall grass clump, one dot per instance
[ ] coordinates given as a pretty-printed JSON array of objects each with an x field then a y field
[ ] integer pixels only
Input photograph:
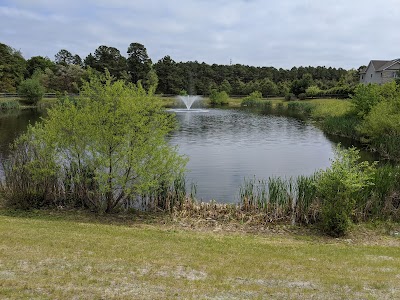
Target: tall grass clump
[
  {"x": 281, "y": 198},
  {"x": 384, "y": 202},
  {"x": 306, "y": 205},
  {"x": 342, "y": 125}
]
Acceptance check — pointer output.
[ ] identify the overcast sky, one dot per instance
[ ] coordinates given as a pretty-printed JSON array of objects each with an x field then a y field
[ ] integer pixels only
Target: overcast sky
[{"x": 278, "y": 33}]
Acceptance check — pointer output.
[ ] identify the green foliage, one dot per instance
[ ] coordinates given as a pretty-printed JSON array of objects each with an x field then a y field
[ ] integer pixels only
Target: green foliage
[
  {"x": 383, "y": 118},
  {"x": 340, "y": 187},
  {"x": 108, "y": 58},
  {"x": 302, "y": 109},
  {"x": 31, "y": 90},
  {"x": 268, "y": 87},
  {"x": 302, "y": 96},
  {"x": 253, "y": 100},
  {"x": 225, "y": 87},
  {"x": 38, "y": 63},
  {"x": 151, "y": 81},
  {"x": 170, "y": 79},
  {"x": 342, "y": 125},
  {"x": 105, "y": 150},
  {"x": 290, "y": 97},
  {"x": 139, "y": 63},
  {"x": 218, "y": 98},
  {"x": 65, "y": 78},
  {"x": 12, "y": 104},
  {"x": 313, "y": 91},
  {"x": 367, "y": 96},
  {"x": 300, "y": 86},
  {"x": 64, "y": 57},
  {"x": 12, "y": 68}
]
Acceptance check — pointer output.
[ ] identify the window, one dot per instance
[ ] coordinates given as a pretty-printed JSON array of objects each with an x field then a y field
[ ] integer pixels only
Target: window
[
  {"x": 371, "y": 75},
  {"x": 362, "y": 76},
  {"x": 381, "y": 74}
]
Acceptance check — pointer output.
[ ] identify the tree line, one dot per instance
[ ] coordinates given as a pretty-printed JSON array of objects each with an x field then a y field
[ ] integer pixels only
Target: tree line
[{"x": 65, "y": 73}]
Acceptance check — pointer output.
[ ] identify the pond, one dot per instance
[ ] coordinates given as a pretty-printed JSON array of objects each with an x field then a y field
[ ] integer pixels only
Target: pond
[{"x": 225, "y": 146}]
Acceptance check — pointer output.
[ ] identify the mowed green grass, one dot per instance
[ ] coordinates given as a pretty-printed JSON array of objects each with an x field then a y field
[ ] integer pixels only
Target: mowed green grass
[{"x": 65, "y": 258}]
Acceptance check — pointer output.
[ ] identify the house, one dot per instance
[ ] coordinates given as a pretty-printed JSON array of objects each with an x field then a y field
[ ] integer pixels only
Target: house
[{"x": 380, "y": 71}]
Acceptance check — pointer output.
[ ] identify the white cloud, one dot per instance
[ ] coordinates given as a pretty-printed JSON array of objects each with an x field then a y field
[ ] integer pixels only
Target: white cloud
[{"x": 283, "y": 33}]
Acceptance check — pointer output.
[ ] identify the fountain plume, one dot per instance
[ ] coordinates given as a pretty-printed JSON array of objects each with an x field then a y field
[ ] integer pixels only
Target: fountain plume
[{"x": 188, "y": 100}]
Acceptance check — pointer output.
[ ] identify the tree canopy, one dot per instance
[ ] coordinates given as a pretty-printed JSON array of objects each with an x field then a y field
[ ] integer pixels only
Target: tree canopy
[{"x": 193, "y": 76}]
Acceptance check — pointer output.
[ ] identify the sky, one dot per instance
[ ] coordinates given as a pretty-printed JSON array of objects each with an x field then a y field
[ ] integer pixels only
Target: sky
[{"x": 277, "y": 33}]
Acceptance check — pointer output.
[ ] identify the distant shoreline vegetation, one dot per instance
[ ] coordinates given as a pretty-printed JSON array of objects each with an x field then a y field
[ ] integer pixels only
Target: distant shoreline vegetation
[{"x": 65, "y": 72}]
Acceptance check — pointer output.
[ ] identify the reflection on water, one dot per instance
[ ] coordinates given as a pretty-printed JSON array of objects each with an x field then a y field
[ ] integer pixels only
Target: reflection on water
[
  {"x": 12, "y": 124},
  {"x": 225, "y": 146}
]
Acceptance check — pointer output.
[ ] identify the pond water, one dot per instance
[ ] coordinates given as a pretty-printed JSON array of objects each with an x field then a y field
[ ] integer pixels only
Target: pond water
[{"x": 225, "y": 146}]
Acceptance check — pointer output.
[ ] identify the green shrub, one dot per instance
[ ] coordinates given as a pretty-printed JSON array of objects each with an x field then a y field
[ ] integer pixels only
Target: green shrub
[
  {"x": 31, "y": 90},
  {"x": 367, "y": 96},
  {"x": 104, "y": 151},
  {"x": 252, "y": 100},
  {"x": 339, "y": 188},
  {"x": 290, "y": 97},
  {"x": 302, "y": 96},
  {"x": 219, "y": 98},
  {"x": 313, "y": 91}
]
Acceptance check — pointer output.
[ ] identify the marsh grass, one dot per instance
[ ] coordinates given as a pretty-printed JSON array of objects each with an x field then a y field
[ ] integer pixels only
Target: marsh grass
[
  {"x": 296, "y": 200},
  {"x": 342, "y": 125},
  {"x": 280, "y": 198}
]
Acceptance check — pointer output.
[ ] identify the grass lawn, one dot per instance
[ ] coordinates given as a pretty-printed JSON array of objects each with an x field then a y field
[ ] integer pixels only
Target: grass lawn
[{"x": 50, "y": 255}]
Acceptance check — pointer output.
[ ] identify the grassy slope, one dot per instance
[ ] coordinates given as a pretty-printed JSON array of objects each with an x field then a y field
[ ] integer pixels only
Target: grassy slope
[{"x": 62, "y": 257}]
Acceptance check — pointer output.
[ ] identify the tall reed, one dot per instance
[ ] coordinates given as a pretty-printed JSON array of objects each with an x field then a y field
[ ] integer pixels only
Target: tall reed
[{"x": 280, "y": 198}]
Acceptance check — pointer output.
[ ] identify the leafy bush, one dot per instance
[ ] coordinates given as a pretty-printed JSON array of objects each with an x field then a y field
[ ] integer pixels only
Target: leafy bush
[
  {"x": 31, "y": 90},
  {"x": 313, "y": 91},
  {"x": 339, "y": 188},
  {"x": 290, "y": 97},
  {"x": 219, "y": 98},
  {"x": 367, "y": 96},
  {"x": 252, "y": 100},
  {"x": 302, "y": 96},
  {"x": 103, "y": 151}
]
